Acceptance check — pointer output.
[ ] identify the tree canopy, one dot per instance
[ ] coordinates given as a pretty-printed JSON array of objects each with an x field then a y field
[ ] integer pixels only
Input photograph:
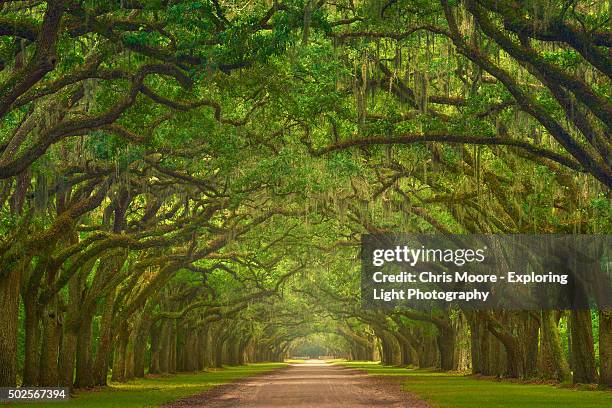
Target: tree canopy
[{"x": 184, "y": 183}]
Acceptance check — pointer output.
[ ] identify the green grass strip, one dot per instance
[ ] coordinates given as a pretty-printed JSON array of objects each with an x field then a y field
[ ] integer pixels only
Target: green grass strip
[
  {"x": 443, "y": 390},
  {"x": 153, "y": 392}
]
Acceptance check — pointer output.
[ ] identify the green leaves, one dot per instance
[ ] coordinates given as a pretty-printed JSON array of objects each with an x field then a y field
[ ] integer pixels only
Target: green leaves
[
  {"x": 562, "y": 58},
  {"x": 113, "y": 149}
]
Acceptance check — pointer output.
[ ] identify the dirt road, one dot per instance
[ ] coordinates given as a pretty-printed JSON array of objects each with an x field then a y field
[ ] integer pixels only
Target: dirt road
[{"x": 314, "y": 384}]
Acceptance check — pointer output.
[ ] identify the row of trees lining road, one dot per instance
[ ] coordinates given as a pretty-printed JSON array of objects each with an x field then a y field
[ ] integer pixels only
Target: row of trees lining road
[{"x": 183, "y": 183}]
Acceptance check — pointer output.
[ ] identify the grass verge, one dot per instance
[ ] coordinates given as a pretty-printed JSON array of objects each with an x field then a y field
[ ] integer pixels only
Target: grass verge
[
  {"x": 153, "y": 392},
  {"x": 443, "y": 390}
]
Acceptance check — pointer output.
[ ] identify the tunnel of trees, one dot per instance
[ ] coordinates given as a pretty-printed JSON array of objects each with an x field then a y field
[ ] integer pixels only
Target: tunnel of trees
[{"x": 183, "y": 183}]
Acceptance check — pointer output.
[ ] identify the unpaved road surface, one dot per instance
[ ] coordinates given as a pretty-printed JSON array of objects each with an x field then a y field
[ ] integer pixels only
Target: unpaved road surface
[{"x": 314, "y": 384}]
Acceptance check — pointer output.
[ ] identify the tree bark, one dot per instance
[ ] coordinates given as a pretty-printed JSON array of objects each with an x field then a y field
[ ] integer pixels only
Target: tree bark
[
  {"x": 172, "y": 351},
  {"x": 583, "y": 352},
  {"x": 67, "y": 358},
  {"x": 553, "y": 362},
  {"x": 605, "y": 347},
  {"x": 164, "y": 348},
  {"x": 203, "y": 347},
  {"x": 84, "y": 359},
  {"x": 32, "y": 342},
  {"x": 154, "y": 363},
  {"x": 49, "y": 374},
  {"x": 446, "y": 345},
  {"x": 140, "y": 345},
  {"x": 476, "y": 330},
  {"x": 105, "y": 343},
  {"x": 119, "y": 357},
  {"x": 9, "y": 304}
]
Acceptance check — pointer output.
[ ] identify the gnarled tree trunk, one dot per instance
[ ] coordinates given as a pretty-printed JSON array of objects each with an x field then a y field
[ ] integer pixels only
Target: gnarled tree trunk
[
  {"x": 553, "y": 362},
  {"x": 583, "y": 352}
]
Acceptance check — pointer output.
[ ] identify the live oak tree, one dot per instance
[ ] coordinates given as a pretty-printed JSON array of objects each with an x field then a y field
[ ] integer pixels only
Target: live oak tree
[{"x": 183, "y": 183}]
